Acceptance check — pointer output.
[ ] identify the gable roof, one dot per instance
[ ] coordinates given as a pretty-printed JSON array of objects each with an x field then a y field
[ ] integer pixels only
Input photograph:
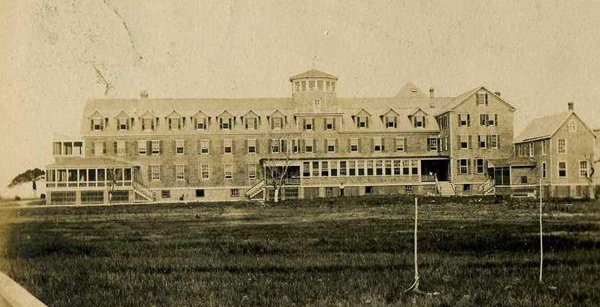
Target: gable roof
[
  {"x": 458, "y": 100},
  {"x": 546, "y": 126},
  {"x": 410, "y": 90},
  {"x": 313, "y": 73}
]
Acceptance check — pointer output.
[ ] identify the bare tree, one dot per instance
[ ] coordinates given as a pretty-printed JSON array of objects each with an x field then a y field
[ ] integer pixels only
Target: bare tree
[{"x": 276, "y": 164}]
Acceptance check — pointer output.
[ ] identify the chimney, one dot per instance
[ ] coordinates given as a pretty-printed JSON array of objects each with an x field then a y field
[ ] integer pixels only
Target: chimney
[
  {"x": 571, "y": 107},
  {"x": 144, "y": 94},
  {"x": 431, "y": 92},
  {"x": 498, "y": 94},
  {"x": 431, "y": 95}
]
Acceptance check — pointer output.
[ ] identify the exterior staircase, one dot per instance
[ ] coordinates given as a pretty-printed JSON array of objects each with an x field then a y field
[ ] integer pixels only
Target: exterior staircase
[
  {"x": 489, "y": 187},
  {"x": 253, "y": 191},
  {"x": 145, "y": 193},
  {"x": 446, "y": 188}
]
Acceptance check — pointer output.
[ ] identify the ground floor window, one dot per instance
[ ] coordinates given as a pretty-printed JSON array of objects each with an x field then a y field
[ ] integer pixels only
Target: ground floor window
[
  {"x": 480, "y": 166},
  {"x": 119, "y": 196},
  {"x": 199, "y": 193},
  {"x": 234, "y": 192},
  {"x": 328, "y": 192},
  {"x": 463, "y": 166},
  {"x": 62, "y": 197},
  {"x": 165, "y": 194},
  {"x": 408, "y": 189},
  {"x": 583, "y": 168},
  {"x": 562, "y": 169},
  {"x": 368, "y": 190},
  {"x": 92, "y": 197}
]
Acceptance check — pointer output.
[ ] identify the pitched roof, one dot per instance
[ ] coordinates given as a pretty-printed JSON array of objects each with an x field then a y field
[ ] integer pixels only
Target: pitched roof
[
  {"x": 462, "y": 97},
  {"x": 410, "y": 90},
  {"x": 543, "y": 127},
  {"x": 313, "y": 73}
]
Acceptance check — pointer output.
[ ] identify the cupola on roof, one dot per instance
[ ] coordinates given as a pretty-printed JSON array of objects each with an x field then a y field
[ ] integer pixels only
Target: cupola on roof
[{"x": 313, "y": 73}]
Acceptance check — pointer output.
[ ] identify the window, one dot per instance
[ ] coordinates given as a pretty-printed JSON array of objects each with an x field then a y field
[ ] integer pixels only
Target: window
[
  {"x": 463, "y": 166},
  {"x": 304, "y": 86},
  {"x": 562, "y": 169},
  {"x": 352, "y": 168},
  {"x": 378, "y": 144},
  {"x": 252, "y": 146},
  {"x": 251, "y": 122},
  {"x": 277, "y": 122},
  {"x": 464, "y": 120},
  {"x": 308, "y": 124},
  {"x": 311, "y": 85},
  {"x": 228, "y": 170},
  {"x": 572, "y": 126},
  {"x": 329, "y": 123},
  {"x": 204, "y": 147},
  {"x": 333, "y": 168},
  {"x": 234, "y": 192},
  {"x": 482, "y": 141},
  {"x": 488, "y": 119},
  {"x": 147, "y": 123},
  {"x": 154, "y": 172},
  {"x": 432, "y": 144},
  {"x": 97, "y": 124},
  {"x": 200, "y": 123},
  {"x": 415, "y": 166},
  {"x": 57, "y": 148},
  {"x": 99, "y": 149},
  {"x": 405, "y": 167},
  {"x": 343, "y": 168},
  {"x": 408, "y": 189},
  {"x": 544, "y": 147},
  {"x": 324, "y": 168},
  {"x": 583, "y": 169},
  {"x": 419, "y": 121},
  {"x": 275, "y": 146},
  {"x": 480, "y": 166},
  {"x": 317, "y": 103},
  {"x": 391, "y": 121},
  {"x": 315, "y": 169},
  {"x": 467, "y": 187},
  {"x": 360, "y": 165},
  {"x": 331, "y": 145},
  {"x": 165, "y": 194},
  {"x": 443, "y": 122},
  {"x": 327, "y": 85},
  {"x": 204, "y": 171},
  {"x": 123, "y": 123},
  {"x": 353, "y": 145},
  {"x": 225, "y": 123},
  {"x": 320, "y": 85},
  {"x": 531, "y": 150},
  {"x": 308, "y": 145},
  {"x": 297, "y": 86},
  {"x": 369, "y": 190},
  {"x": 362, "y": 122},
  {"x": 482, "y": 99},
  {"x": 227, "y": 146},
  {"x": 174, "y": 123},
  {"x": 397, "y": 167},
  {"x": 305, "y": 169},
  {"x": 562, "y": 146},
  {"x": 379, "y": 167},
  {"x": 142, "y": 147},
  {"x": 388, "y": 167},
  {"x": 251, "y": 170},
  {"x": 179, "y": 147},
  {"x": 465, "y": 141},
  {"x": 494, "y": 143},
  {"x": 544, "y": 171},
  {"x": 370, "y": 168},
  {"x": 155, "y": 147},
  {"x": 180, "y": 172},
  {"x": 120, "y": 148},
  {"x": 199, "y": 193},
  {"x": 401, "y": 143}
]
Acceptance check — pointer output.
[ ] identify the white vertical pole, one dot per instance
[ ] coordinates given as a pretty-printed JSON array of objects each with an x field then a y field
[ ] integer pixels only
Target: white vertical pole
[
  {"x": 416, "y": 255},
  {"x": 541, "y": 234}
]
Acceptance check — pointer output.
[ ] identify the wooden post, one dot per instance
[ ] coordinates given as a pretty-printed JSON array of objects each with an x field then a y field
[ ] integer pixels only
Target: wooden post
[
  {"x": 541, "y": 234},
  {"x": 416, "y": 254}
]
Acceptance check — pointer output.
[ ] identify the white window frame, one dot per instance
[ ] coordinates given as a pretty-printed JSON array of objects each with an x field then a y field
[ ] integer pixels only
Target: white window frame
[
  {"x": 147, "y": 126},
  {"x": 331, "y": 148},
  {"x": 482, "y": 99},
  {"x": 123, "y": 123},
  {"x": 400, "y": 141},
  {"x": 494, "y": 144},
  {"x": 562, "y": 150},
  {"x": 99, "y": 148},
  {"x": 390, "y": 121},
  {"x": 362, "y": 122},
  {"x": 477, "y": 166},
  {"x": 252, "y": 170},
  {"x": 419, "y": 121},
  {"x": 354, "y": 145},
  {"x": 180, "y": 172},
  {"x": 584, "y": 172},
  {"x": 466, "y": 166},
  {"x": 228, "y": 144},
  {"x": 204, "y": 146},
  {"x": 252, "y": 146},
  {"x": 179, "y": 144},
  {"x": 121, "y": 148},
  {"x": 432, "y": 143},
  {"x": 531, "y": 150},
  {"x": 482, "y": 140},
  {"x": 204, "y": 171},
  {"x": 464, "y": 138},
  {"x": 378, "y": 143},
  {"x": 201, "y": 123},
  {"x": 228, "y": 171},
  {"x": 565, "y": 168},
  {"x": 155, "y": 144},
  {"x": 97, "y": 124},
  {"x": 467, "y": 120},
  {"x": 543, "y": 147},
  {"x": 329, "y": 123},
  {"x": 142, "y": 147},
  {"x": 155, "y": 172},
  {"x": 572, "y": 126}
]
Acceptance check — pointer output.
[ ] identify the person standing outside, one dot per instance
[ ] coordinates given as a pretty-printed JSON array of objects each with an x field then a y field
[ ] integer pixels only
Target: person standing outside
[{"x": 342, "y": 189}]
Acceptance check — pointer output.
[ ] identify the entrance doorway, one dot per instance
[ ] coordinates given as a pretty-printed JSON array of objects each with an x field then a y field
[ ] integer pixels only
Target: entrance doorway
[{"x": 437, "y": 167}]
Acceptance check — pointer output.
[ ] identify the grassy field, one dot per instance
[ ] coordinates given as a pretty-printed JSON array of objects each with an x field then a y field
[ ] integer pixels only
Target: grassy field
[{"x": 351, "y": 252}]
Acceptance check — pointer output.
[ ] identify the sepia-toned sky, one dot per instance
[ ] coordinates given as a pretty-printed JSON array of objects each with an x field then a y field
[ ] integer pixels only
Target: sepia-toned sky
[{"x": 539, "y": 54}]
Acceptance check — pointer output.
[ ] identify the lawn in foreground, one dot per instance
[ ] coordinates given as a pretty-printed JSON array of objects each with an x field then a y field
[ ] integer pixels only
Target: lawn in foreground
[{"x": 351, "y": 252}]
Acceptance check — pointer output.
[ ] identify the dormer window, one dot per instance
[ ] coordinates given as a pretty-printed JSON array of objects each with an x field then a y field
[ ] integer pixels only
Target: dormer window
[
  {"x": 419, "y": 121},
  {"x": 148, "y": 123},
  {"x": 123, "y": 123},
  {"x": 97, "y": 124},
  {"x": 308, "y": 124},
  {"x": 175, "y": 123},
  {"x": 276, "y": 122},
  {"x": 362, "y": 122},
  {"x": 391, "y": 121},
  {"x": 225, "y": 123},
  {"x": 482, "y": 98},
  {"x": 200, "y": 123},
  {"x": 251, "y": 122}
]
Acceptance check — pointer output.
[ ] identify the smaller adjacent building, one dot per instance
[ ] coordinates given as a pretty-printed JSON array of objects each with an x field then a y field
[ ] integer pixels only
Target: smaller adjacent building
[{"x": 556, "y": 152}]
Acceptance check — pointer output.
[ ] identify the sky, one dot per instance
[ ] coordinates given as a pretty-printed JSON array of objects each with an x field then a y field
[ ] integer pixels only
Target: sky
[{"x": 54, "y": 55}]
